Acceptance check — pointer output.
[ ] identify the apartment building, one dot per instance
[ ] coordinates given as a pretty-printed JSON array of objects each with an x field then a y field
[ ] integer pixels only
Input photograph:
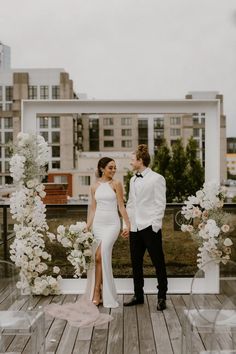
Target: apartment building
[{"x": 41, "y": 84}]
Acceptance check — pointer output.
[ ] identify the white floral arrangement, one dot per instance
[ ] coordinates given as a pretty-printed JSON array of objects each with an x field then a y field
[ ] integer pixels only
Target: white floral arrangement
[
  {"x": 206, "y": 221},
  {"x": 79, "y": 244},
  {"x": 27, "y": 167}
]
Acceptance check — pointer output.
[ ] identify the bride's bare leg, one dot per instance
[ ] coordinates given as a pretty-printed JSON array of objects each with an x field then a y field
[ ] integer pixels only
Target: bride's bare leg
[{"x": 98, "y": 277}]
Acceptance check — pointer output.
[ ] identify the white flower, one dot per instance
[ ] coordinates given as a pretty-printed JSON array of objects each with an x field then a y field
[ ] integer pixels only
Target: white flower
[
  {"x": 56, "y": 269},
  {"x": 61, "y": 229},
  {"x": 225, "y": 228},
  {"x": 228, "y": 242}
]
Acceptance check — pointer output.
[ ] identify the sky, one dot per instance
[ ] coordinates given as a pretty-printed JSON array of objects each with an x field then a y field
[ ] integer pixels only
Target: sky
[{"x": 129, "y": 49}]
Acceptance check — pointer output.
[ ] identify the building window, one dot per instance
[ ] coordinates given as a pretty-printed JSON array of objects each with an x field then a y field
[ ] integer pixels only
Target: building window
[
  {"x": 8, "y": 137},
  {"x": 8, "y": 123},
  {"x": 1, "y": 106},
  {"x": 174, "y": 131},
  {"x": 126, "y": 121},
  {"x": 55, "y": 122},
  {"x": 126, "y": 143},
  {"x": 126, "y": 132},
  {"x": 196, "y": 132},
  {"x": 8, "y": 107},
  {"x": 43, "y": 122},
  {"x": 55, "y": 151},
  {"x": 83, "y": 197},
  {"x": 84, "y": 180},
  {"x": 108, "y": 121},
  {"x": 0, "y": 93},
  {"x": 195, "y": 121},
  {"x": 55, "y": 92},
  {"x": 108, "y": 143},
  {"x": 60, "y": 179},
  {"x": 175, "y": 120},
  {"x": 8, "y": 152},
  {"x": 158, "y": 123},
  {"x": 7, "y": 166},
  {"x": 44, "y": 135},
  {"x": 55, "y": 137},
  {"x": 44, "y": 94},
  {"x": 8, "y": 180},
  {"x": 108, "y": 132},
  {"x": 32, "y": 92},
  {"x": 9, "y": 93},
  {"x": 56, "y": 164}
]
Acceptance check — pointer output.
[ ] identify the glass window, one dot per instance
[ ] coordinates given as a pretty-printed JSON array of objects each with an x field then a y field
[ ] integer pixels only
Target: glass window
[
  {"x": 55, "y": 122},
  {"x": 108, "y": 121},
  {"x": 8, "y": 151},
  {"x": 195, "y": 121},
  {"x": 174, "y": 131},
  {"x": 126, "y": 132},
  {"x": 158, "y": 123},
  {"x": 60, "y": 179},
  {"x": 1, "y": 178},
  {"x": 44, "y": 135},
  {"x": 9, "y": 93},
  {"x": 8, "y": 107},
  {"x": 1, "y": 166},
  {"x": 126, "y": 121},
  {"x": 175, "y": 120},
  {"x": 1, "y": 106},
  {"x": 126, "y": 143},
  {"x": 8, "y": 137},
  {"x": 7, "y": 166},
  {"x": 108, "y": 143},
  {"x": 55, "y": 151},
  {"x": 55, "y": 92},
  {"x": 84, "y": 180},
  {"x": 0, "y": 93},
  {"x": 55, "y": 137},
  {"x": 43, "y": 122},
  {"x": 56, "y": 164},
  {"x": 108, "y": 132},
  {"x": 8, "y": 123},
  {"x": 32, "y": 92},
  {"x": 44, "y": 95},
  {"x": 196, "y": 132},
  {"x": 0, "y": 152},
  {"x": 8, "y": 180}
]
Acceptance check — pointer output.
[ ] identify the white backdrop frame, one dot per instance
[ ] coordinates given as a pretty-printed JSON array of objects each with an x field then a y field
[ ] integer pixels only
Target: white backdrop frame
[{"x": 31, "y": 109}]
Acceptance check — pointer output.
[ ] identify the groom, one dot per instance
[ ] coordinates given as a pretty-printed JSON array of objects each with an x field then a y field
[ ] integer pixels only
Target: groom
[{"x": 146, "y": 207}]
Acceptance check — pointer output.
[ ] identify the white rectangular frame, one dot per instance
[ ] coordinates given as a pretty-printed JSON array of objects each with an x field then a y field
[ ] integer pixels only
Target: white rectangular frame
[{"x": 211, "y": 107}]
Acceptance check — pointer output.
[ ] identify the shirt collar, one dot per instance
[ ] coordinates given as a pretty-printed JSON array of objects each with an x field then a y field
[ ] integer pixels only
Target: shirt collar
[{"x": 144, "y": 172}]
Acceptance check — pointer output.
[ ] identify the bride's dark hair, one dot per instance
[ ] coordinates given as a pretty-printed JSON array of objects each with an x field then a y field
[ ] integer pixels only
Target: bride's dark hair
[
  {"x": 102, "y": 164},
  {"x": 142, "y": 153}
]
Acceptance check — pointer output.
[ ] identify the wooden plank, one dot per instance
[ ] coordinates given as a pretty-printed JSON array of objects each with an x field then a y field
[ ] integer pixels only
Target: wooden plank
[
  {"x": 146, "y": 336},
  {"x": 53, "y": 339},
  {"x": 83, "y": 340},
  {"x": 100, "y": 336},
  {"x": 131, "y": 339},
  {"x": 180, "y": 306},
  {"x": 115, "y": 334},
  {"x": 173, "y": 325},
  {"x": 161, "y": 334}
]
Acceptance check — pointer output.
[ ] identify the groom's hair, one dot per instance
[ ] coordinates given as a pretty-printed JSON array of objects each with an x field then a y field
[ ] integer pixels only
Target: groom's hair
[
  {"x": 102, "y": 164},
  {"x": 142, "y": 153}
]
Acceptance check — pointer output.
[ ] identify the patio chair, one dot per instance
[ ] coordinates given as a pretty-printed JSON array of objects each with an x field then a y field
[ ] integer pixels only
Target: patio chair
[
  {"x": 17, "y": 316},
  {"x": 209, "y": 325}
]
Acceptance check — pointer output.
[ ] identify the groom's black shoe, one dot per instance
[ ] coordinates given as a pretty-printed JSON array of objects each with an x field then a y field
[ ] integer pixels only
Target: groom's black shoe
[
  {"x": 134, "y": 301},
  {"x": 161, "y": 304}
]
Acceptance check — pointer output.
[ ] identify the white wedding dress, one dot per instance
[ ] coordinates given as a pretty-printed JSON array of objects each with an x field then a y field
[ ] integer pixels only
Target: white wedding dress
[{"x": 106, "y": 228}]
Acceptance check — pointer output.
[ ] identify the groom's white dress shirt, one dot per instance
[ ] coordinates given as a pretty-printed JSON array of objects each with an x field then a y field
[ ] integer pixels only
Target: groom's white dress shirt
[{"x": 147, "y": 201}]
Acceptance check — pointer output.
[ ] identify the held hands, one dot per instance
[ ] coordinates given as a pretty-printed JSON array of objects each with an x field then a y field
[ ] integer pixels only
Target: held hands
[{"x": 125, "y": 233}]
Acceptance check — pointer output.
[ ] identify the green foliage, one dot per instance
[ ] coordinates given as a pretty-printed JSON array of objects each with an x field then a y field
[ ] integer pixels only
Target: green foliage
[
  {"x": 127, "y": 179},
  {"x": 182, "y": 170}
]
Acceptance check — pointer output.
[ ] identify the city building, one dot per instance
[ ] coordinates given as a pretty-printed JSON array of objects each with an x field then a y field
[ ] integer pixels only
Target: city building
[
  {"x": 35, "y": 84},
  {"x": 5, "y": 57}
]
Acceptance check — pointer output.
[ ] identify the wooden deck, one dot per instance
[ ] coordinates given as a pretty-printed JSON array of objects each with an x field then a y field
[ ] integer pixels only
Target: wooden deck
[{"x": 134, "y": 330}]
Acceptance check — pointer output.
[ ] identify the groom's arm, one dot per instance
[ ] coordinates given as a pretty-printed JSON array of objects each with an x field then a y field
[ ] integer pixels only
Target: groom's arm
[{"x": 159, "y": 202}]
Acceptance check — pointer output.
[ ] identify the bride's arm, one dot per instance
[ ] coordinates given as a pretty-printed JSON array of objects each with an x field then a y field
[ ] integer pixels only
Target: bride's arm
[
  {"x": 91, "y": 209},
  {"x": 121, "y": 206}
]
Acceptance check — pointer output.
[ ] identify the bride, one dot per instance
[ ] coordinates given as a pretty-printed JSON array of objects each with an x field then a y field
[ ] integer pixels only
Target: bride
[{"x": 104, "y": 220}]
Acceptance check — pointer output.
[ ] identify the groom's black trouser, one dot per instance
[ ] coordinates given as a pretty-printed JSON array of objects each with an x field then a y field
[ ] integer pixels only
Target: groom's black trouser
[{"x": 152, "y": 241}]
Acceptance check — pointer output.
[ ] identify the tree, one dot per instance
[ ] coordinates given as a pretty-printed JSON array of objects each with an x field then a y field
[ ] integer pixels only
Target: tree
[
  {"x": 195, "y": 172},
  {"x": 162, "y": 159}
]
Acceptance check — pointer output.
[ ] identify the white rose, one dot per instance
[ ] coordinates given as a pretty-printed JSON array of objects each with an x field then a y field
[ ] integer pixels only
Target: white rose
[
  {"x": 88, "y": 252},
  {"x": 61, "y": 229},
  {"x": 56, "y": 269},
  {"x": 228, "y": 242}
]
